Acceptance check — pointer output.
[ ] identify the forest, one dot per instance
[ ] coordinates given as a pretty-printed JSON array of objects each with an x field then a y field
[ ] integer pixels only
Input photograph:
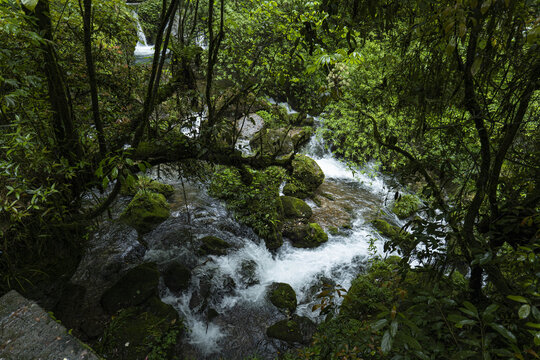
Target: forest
[{"x": 284, "y": 179}]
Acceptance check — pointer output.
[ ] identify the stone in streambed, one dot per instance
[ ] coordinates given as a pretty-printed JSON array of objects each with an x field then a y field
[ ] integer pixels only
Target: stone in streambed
[
  {"x": 212, "y": 245},
  {"x": 306, "y": 177},
  {"x": 144, "y": 183},
  {"x": 305, "y": 235},
  {"x": 299, "y": 329},
  {"x": 176, "y": 277},
  {"x": 136, "y": 286},
  {"x": 146, "y": 211},
  {"x": 294, "y": 208},
  {"x": 406, "y": 206},
  {"x": 282, "y": 295}
]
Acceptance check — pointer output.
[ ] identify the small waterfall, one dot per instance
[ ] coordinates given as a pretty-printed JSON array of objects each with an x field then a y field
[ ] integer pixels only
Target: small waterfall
[{"x": 142, "y": 49}]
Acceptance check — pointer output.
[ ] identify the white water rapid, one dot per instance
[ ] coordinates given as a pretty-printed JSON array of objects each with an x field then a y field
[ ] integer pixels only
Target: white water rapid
[
  {"x": 142, "y": 49},
  {"x": 219, "y": 283}
]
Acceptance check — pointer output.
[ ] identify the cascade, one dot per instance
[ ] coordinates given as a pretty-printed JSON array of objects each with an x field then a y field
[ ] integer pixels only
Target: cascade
[{"x": 142, "y": 49}]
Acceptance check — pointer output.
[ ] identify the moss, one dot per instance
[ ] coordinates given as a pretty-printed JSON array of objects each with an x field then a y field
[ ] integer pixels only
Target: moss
[
  {"x": 138, "y": 331},
  {"x": 145, "y": 183},
  {"x": 258, "y": 204},
  {"x": 282, "y": 296},
  {"x": 394, "y": 233},
  {"x": 177, "y": 277},
  {"x": 146, "y": 211},
  {"x": 137, "y": 285},
  {"x": 406, "y": 206},
  {"x": 212, "y": 245},
  {"x": 333, "y": 230},
  {"x": 305, "y": 235},
  {"x": 272, "y": 142},
  {"x": 297, "y": 329},
  {"x": 295, "y": 208},
  {"x": 306, "y": 177}
]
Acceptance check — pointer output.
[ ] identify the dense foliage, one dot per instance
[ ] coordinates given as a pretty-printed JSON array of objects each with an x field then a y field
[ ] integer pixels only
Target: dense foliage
[{"x": 442, "y": 95}]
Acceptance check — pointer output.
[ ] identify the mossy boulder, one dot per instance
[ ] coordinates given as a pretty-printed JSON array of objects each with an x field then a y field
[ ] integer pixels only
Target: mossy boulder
[
  {"x": 394, "y": 233},
  {"x": 146, "y": 211},
  {"x": 248, "y": 272},
  {"x": 272, "y": 142},
  {"x": 305, "y": 235},
  {"x": 282, "y": 296},
  {"x": 306, "y": 177},
  {"x": 212, "y": 245},
  {"x": 369, "y": 290},
  {"x": 145, "y": 183},
  {"x": 136, "y": 286},
  {"x": 299, "y": 329},
  {"x": 176, "y": 277},
  {"x": 139, "y": 332},
  {"x": 301, "y": 135},
  {"x": 294, "y": 208},
  {"x": 406, "y": 206}
]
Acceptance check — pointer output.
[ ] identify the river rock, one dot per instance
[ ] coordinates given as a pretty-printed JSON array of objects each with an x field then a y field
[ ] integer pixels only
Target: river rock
[
  {"x": 137, "y": 330},
  {"x": 307, "y": 176},
  {"x": 212, "y": 245},
  {"x": 136, "y": 286},
  {"x": 394, "y": 233},
  {"x": 294, "y": 208},
  {"x": 299, "y": 329},
  {"x": 248, "y": 272},
  {"x": 146, "y": 211},
  {"x": 146, "y": 184},
  {"x": 301, "y": 119},
  {"x": 406, "y": 206},
  {"x": 176, "y": 277},
  {"x": 272, "y": 142},
  {"x": 282, "y": 295},
  {"x": 249, "y": 125},
  {"x": 300, "y": 135},
  {"x": 334, "y": 206},
  {"x": 305, "y": 235}
]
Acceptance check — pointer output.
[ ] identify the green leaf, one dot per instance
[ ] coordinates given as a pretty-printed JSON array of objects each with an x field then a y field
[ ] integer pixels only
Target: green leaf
[
  {"x": 517, "y": 298},
  {"x": 533, "y": 325},
  {"x": 504, "y": 332},
  {"x": 461, "y": 323},
  {"x": 393, "y": 328},
  {"x": 386, "y": 344},
  {"x": 379, "y": 325},
  {"x": 490, "y": 309},
  {"x": 30, "y": 4},
  {"x": 524, "y": 311}
]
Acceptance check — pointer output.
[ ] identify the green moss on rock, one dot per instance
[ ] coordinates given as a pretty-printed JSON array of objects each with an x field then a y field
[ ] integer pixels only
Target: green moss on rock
[
  {"x": 145, "y": 183},
  {"x": 212, "y": 245},
  {"x": 305, "y": 235},
  {"x": 299, "y": 329},
  {"x": 146, "y": 211},
  {"x": 307, "y": 176},
  {"x": 136, "y": 286},
  {"x": 394, "y": 233},
  {"x": 294, "y": 208},
  {"x": 176, "y": 277},
  {"x": 282, "y": 296},
  {"x": 406, "y": 206},
  {"x": 272, "y": 142}
]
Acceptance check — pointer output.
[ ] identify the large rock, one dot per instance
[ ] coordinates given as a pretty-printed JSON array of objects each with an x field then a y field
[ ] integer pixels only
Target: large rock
[
  {"x": 145, "y": 183},
  {"x": 307, "y": 176},
  {"x": 176, "y": 277},
  {"x": 212, "y": 245},
  {"x": 146, "y": 211},
  {"x": 136, "y": 286},
  {"x": 305, "y": 235},
  {"x": 299, "y": 329},
  {"x": 300, "y": 135},
  {"x": 249, "y": 125},
  {"x": 137, "y": 332},
  {"x": 406, "y": 206},
  {"x": 395, "y": 234},
  {"x": 272, "y": 142},
  {"x": 282, "y": 296},
  {"x": 294, "y": 208}
]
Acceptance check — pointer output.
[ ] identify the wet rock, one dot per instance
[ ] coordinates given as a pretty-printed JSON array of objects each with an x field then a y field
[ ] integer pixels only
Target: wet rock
[
  {"x": 301, "y": 119},
  {"x": 146, "y": 211},
  {"x": 406, "y": 206},
  {"x": 248, "y": 272},
  {"x": 294, "y": 208},
  {"x": 146, "y": 184},
  {"x": 300, "y": 136},
  {"x": 305, "y": 235},
  {"x": 248, "y": 126},
  {"x": 272, "y": 142},
  {"x": 394, "y": 233},
  {"x": 299, "y": 329},
  {"x": 307, "y": 176},
  {"x": 212, "y": 245},
  {"x": 199, "y": 298},
  {"x": 136, "y": 286},
  {"x": 282, "y": 296},
  {"x": 176, "y": 277}
]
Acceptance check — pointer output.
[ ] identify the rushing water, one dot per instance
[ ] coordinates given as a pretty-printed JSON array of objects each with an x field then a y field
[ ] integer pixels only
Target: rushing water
[
  {"x": 218, "y": 282},
  {"x": 143, "y": 51}
]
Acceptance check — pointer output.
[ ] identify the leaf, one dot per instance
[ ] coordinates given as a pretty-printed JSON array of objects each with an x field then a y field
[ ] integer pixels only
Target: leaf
[
  {"x": 379, "y": 325},
  {"x": 533, "y": 325},
  {"x": 461, "y": 323},
  {"x": 393, "y": 328},
  {"x": 30, "y": 4},
  {"x": 524, "y": 311},
  {"x": 504, "y": 332},
  {"x": 386, "y": 344},
  {"x": 490, "y": 309},
  {"x": 517, "y": 298},
  {"x": 485, "y": 6},
  {"x": 474, "y": 69}
]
